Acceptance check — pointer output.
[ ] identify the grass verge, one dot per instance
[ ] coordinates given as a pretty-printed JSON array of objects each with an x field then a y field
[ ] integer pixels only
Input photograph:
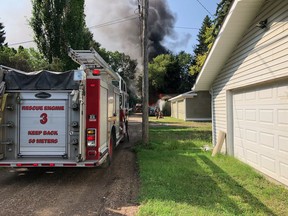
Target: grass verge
[{"x": 179, "y": 178}]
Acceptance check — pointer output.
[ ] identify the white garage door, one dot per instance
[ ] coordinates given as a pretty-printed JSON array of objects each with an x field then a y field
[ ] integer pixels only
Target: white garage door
[
  {"x": 174, "y": 109},
  {"x": 260, "y": 117},
  {"x": 181, "y": 109}
]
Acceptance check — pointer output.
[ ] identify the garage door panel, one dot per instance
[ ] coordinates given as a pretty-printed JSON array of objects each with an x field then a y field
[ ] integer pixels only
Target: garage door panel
[
  {"x": 260, "y": 128},
  {"x": 284, "y": 171},
  {"x": 282, "y": 115},
  {"x": 268, "y": 163},
  {"x": 251, "y": 135},
  {"x": 239, "y": 152},
  {"x": 265, "y": 93},
  {"x": 239, "y": 132},
  {"x": 252, "y": 157},
  {"x": 250, "y": 115},
  {"x": 266, "y": 139},
  {"x": 180, "y": 108},
  {"x": 283, "y": 144},
  {"x": 266, "y": 116},
  {"x": 281, "y": 92},
  {"x": 250, "y": 96}
]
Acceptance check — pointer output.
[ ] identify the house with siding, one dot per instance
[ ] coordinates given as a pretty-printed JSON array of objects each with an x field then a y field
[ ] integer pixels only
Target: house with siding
[
  {"x": 246, "y": 72},
  {"x": 192, "y": 106}
]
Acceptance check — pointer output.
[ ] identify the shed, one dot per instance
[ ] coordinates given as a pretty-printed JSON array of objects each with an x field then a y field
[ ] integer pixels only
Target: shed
[
  {"x": 246, "y": 72},
  {"x": 191, "y": 106}
]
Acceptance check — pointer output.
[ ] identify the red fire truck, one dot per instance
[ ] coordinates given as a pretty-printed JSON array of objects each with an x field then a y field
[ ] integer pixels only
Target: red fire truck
[{"x": 61, "y": 119}]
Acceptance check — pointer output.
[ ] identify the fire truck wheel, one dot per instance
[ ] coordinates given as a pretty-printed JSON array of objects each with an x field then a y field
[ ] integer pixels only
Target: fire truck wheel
[
  {"x": 127, "y": 134},
  {"x": 113, "y": 135},
  {"x": 109, "y": 158},
  {"x": 112, "y": 143}
]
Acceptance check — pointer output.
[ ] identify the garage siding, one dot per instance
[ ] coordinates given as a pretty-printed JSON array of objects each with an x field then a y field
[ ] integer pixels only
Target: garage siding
[{"x": 260, "y": 56}]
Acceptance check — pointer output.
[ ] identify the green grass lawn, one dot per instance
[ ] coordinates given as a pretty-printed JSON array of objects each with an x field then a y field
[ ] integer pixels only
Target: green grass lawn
[{"x": 179, "y": 178}]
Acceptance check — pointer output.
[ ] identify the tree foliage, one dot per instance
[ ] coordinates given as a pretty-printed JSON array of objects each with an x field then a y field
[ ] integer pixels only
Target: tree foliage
[
  {"x": 221, "y": 12},
  {"x": 126, "y": 67},
  {"x": 27, "y": 59},
  {"x": 201, "y": 47},
  {"x": 123, "y": 64},
  {"x": 169, "y": 74},
  {"x": 58, "y": 25},
  {"x": 2, "y": 34},
  {"x": 199, "y": 58},
  {"x": 207, "y": 35}
]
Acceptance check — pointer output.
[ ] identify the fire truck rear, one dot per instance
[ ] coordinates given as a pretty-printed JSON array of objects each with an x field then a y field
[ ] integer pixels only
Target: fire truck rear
[{"x": 61, "y": 119}]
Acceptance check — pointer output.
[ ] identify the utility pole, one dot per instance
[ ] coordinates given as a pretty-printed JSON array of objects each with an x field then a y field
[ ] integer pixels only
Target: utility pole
[{"x": 145, "y": 80}]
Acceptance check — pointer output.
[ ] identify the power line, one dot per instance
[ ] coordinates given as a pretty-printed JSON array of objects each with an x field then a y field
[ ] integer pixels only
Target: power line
[
  {"x": 205, "y": 8},
  {"x": 112, "y": 22},
  {"x": 183, "y": 27},
  {"x": 13, "y": 44}
]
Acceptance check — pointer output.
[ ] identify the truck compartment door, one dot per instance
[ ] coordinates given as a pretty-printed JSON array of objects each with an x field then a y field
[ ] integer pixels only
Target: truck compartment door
[{"x": 43, "y": 125}]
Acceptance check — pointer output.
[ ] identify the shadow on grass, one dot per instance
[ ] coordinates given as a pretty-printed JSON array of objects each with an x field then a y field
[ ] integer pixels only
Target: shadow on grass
[
  {"x": 235, "y": 188},
  {"x": 201, "y": 184}
]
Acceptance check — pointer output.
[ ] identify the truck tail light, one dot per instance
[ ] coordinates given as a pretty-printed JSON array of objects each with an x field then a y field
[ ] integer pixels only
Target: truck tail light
[
  {"x": 96, "y": 72},
  {"x": 91, "y": 137}
]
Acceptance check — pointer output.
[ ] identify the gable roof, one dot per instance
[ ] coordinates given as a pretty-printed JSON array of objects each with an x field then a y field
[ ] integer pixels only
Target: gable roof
[{"x": 240, "y": 16}]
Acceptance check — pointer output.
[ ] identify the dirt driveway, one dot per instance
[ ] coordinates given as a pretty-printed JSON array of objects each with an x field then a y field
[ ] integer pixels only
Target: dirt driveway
[{"x": 72, "y": 191}]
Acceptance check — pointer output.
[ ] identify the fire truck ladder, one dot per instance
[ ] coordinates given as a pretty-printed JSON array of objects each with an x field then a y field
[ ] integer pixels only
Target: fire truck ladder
[{"x": 91, "y": 59}]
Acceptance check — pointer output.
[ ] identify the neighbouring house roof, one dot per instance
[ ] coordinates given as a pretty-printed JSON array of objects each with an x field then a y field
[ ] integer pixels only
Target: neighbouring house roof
[
  {"x": 189, "y": 94},
  {"x": 240, "y": 16}
]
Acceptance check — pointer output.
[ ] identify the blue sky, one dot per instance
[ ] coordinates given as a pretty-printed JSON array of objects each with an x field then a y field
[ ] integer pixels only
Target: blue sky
[
  {"x": 14, "y": 14},
  {"x": 190, "y": 14}
]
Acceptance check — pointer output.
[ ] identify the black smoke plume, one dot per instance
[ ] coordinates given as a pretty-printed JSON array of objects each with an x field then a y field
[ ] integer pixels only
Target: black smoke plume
[
  {"x": 126, "y": 36},
  {"x": 160, "y": 24}
]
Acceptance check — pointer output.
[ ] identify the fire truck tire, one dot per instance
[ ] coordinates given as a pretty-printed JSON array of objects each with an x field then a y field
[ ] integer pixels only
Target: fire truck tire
[
  {"x": 112, "y": 143},
  {"x": 113, "y": 135},
  {"x": 127, "y": 134},
  {"x": 109, "y": 158}
]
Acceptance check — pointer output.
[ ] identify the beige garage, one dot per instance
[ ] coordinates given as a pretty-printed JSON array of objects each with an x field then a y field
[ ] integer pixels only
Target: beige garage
[
  {"x": 191, "y": 106},
  {"x": 246, "y": 72}
]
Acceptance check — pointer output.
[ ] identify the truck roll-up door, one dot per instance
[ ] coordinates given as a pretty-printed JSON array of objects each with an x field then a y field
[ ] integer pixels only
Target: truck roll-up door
[{"x": 43, "y": 125}]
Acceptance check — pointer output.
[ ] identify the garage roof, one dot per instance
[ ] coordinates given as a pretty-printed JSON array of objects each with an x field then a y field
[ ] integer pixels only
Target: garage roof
[
  {"x": 240, "y": 16},
  {"x": 189, "y": 94}
]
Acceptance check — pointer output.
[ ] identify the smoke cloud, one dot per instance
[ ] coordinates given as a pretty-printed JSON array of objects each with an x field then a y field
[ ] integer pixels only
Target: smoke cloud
[
  {"x": 117, "y": 26},
  {"x": 160, "y": 24}
]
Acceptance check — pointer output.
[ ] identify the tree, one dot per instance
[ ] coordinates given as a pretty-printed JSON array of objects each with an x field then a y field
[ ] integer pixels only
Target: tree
[
  {"x": 221, "y": 12},
  {"x": 2, "y": 34},
  {"x": 58, "y": 25},
  {"x": 185, "y": 60},
  {"x": 27, "y": 60},
  {"x": 169, "y": 74},
  {"x": 207, "y": 35},
  {"x": 158, "y": 70},
  {"x": 201, "y": 47},
  {"x": 17, "y": 59},
  {"x": 123, "y": 64},
  {"x": 126, "y": 67},
  {"x": 199, "y": 59}
]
